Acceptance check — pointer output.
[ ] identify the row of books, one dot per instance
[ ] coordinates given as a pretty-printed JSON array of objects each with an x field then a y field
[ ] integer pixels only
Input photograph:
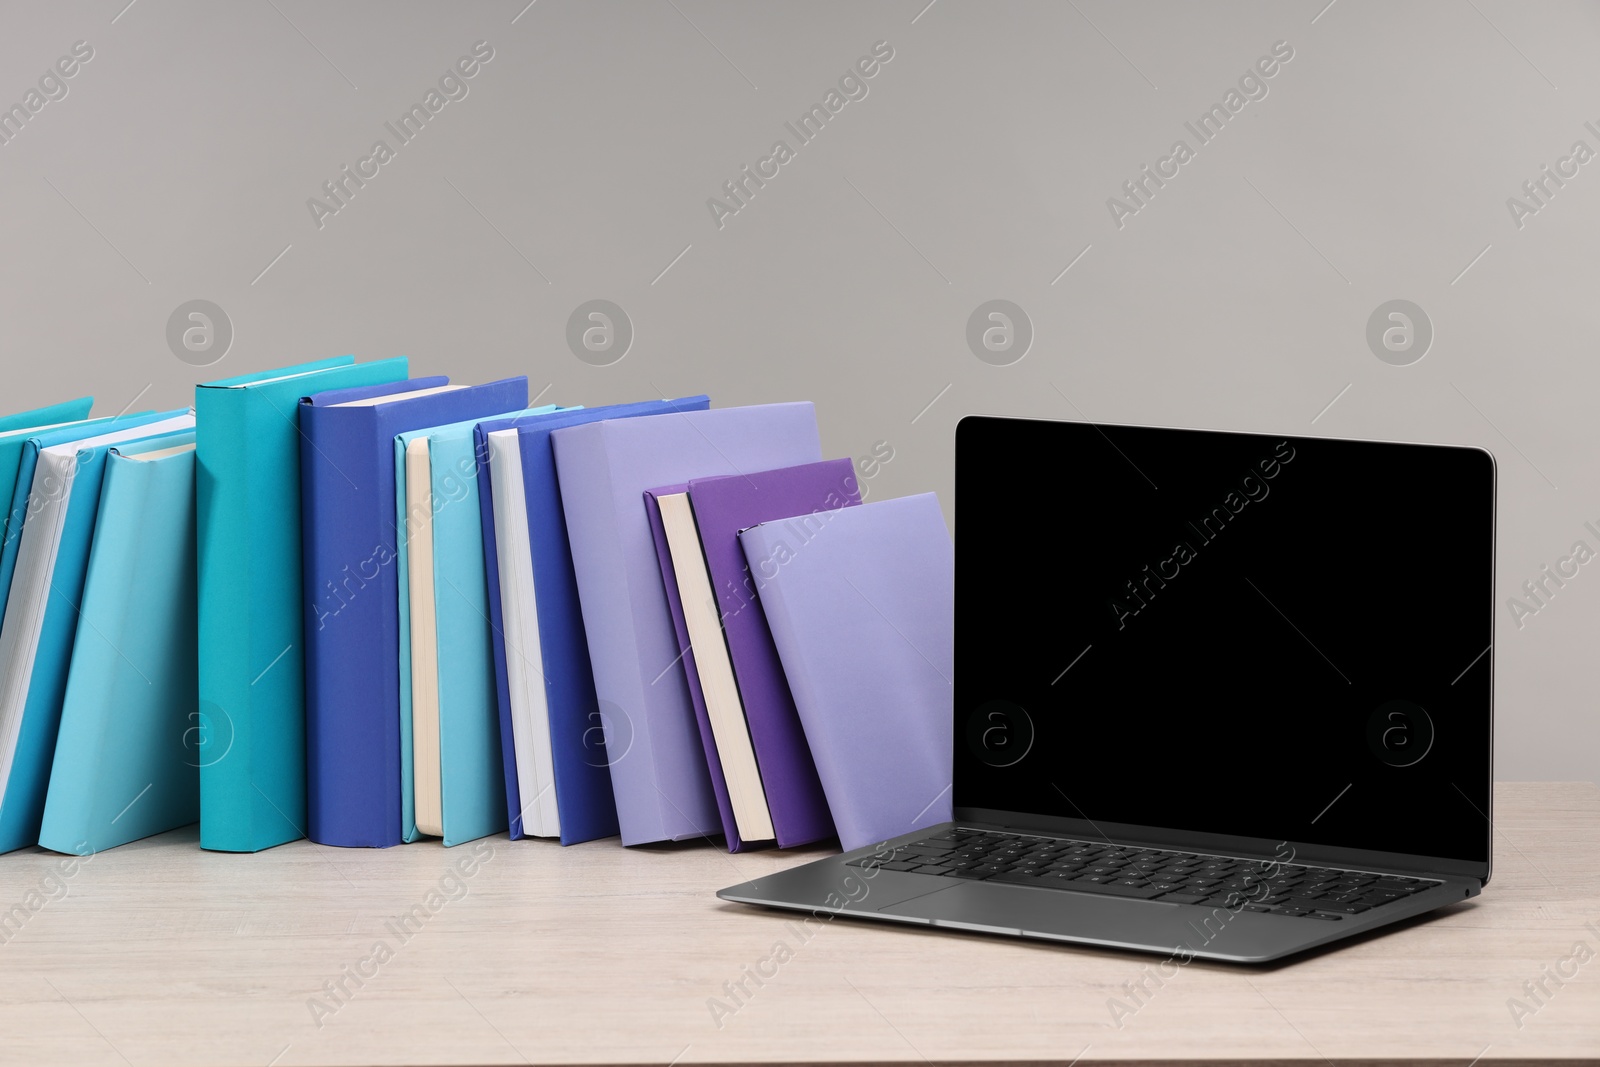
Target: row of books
[{"x": 334, "y": 601}]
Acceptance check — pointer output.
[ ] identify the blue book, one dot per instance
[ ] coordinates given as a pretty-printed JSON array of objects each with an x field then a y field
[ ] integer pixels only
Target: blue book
[
  {"x": 120, "y": 771},
  {"x": 42, "y": 611},
  {"x": 353, "y": 571},
  {"x": 457, "y": 765},
  {"x": 18, "y": 453},
  {"x": 557, "y": 652},
  {"x": 48, "y": 416},
  {"x": 251, "y": 593},
  {"x": 14, "y": 429}
]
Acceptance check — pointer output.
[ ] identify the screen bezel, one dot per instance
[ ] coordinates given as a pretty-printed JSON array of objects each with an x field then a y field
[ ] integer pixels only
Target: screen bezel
[{"x": 1134, "y": 833}]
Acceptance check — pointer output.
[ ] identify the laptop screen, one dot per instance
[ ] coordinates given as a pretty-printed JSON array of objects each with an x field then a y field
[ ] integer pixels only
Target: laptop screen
[{"x": 1265, "y": 636}]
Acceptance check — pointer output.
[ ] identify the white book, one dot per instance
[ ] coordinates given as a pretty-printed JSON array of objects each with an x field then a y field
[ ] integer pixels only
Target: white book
[
  {"x": 519, "y": 611},
  {"x": 49, "y": 498},
  {"x": 425, "y": 773},
  {"x": 724, "y": 708}
]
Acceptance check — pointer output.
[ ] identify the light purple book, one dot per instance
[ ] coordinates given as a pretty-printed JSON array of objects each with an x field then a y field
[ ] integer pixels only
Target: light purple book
[
  {"x": 862, "y": 612},
  {"x": 691, "y": 673},
  {"x": 722, "y": 507},
  {"x": 652, "y": 744}
]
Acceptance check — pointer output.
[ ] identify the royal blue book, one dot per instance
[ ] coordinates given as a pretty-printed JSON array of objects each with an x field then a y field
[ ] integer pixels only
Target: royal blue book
[
  {"x": 351, "y": 598},
  {"x": 118, "y": 774},
  {"x": 251, "y": 593},
  {"x": 583, "y": 794},
  {"x": 658, "y": 767},
  {"x": 42, "y": 611},
  {"x": 861, "y": 607}
]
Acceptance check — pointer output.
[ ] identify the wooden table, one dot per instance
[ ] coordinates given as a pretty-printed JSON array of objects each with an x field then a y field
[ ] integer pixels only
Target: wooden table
[{"x": 158, "y": 953}]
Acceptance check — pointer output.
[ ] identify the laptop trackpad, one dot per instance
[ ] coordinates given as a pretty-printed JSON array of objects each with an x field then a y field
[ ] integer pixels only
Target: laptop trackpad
[{"x": 1044, "y": 911}]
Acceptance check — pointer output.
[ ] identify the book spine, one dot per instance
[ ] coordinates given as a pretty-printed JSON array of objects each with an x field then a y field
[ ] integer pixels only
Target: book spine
[
  {"x": 223, "y": 560},
  {"x": 487, "y": 455},
  {"x": 588, "y": 807},
  {"x": 352, "y": 746}
]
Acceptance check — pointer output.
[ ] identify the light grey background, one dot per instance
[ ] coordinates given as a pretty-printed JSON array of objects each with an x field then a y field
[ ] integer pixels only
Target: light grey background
[{"x": 578, "y": 167}]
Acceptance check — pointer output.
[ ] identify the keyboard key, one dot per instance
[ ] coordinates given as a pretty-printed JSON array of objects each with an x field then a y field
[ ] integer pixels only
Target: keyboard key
[
  {"x": 1343, "y": 909},
  {"x": 934, "y": 868},
  {"x": 1323, "y": 915}
]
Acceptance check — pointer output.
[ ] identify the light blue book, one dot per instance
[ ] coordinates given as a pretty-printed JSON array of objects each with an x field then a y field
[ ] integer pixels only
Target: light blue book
[
  {"x": 122, "y": 770},
  {"x": 42, "y": 613},
  {"x": 451, "y": 768}
]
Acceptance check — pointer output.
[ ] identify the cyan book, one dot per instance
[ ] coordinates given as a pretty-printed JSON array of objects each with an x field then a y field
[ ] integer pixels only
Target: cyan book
[{"x": 252, "y": 663}]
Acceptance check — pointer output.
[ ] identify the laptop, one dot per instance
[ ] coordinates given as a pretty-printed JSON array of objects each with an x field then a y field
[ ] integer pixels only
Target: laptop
[{"x": 1217, "y": 695}]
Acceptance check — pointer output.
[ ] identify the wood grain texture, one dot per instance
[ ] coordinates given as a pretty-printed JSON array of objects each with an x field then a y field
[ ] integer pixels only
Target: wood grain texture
[{"x": 158, "y": 953}]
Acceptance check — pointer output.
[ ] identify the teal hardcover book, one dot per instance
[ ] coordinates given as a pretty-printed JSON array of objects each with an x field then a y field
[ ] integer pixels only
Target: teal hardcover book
[
  {"x": 251, "y": 725},
  {"x": 121, "y": 769},
  {"x": 452, "y": 773},
  {"x": 42, "y": 609},
  {"x": 47, "y": 416}
]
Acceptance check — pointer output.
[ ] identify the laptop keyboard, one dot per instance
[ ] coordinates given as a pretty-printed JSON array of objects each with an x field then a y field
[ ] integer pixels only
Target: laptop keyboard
[{"x": 1148, "y": 873}]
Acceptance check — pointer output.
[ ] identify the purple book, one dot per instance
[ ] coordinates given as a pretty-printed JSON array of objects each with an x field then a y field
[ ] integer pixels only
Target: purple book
[
  {"x": 669, "y": 581},
  {"x": 652, "y": 744},
  {"x": 722, "y": 507},
  {"x": 863, "y": 614}
]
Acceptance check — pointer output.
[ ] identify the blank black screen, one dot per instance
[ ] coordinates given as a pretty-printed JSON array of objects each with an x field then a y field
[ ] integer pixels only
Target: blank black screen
[{"x": 1264, "y": 636}]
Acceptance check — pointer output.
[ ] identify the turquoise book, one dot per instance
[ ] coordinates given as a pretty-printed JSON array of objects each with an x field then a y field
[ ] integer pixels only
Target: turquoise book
[
  {"x": 18, "y": 453},
  {"x": 14, "y": 429},
  {"x": 37, "y": 638},
  {"x": 250, "y": 738},
  {"x": 48, "y": 416},
  {"x": 122, "y": 768},
  {"x": 452, "y": 769}
]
